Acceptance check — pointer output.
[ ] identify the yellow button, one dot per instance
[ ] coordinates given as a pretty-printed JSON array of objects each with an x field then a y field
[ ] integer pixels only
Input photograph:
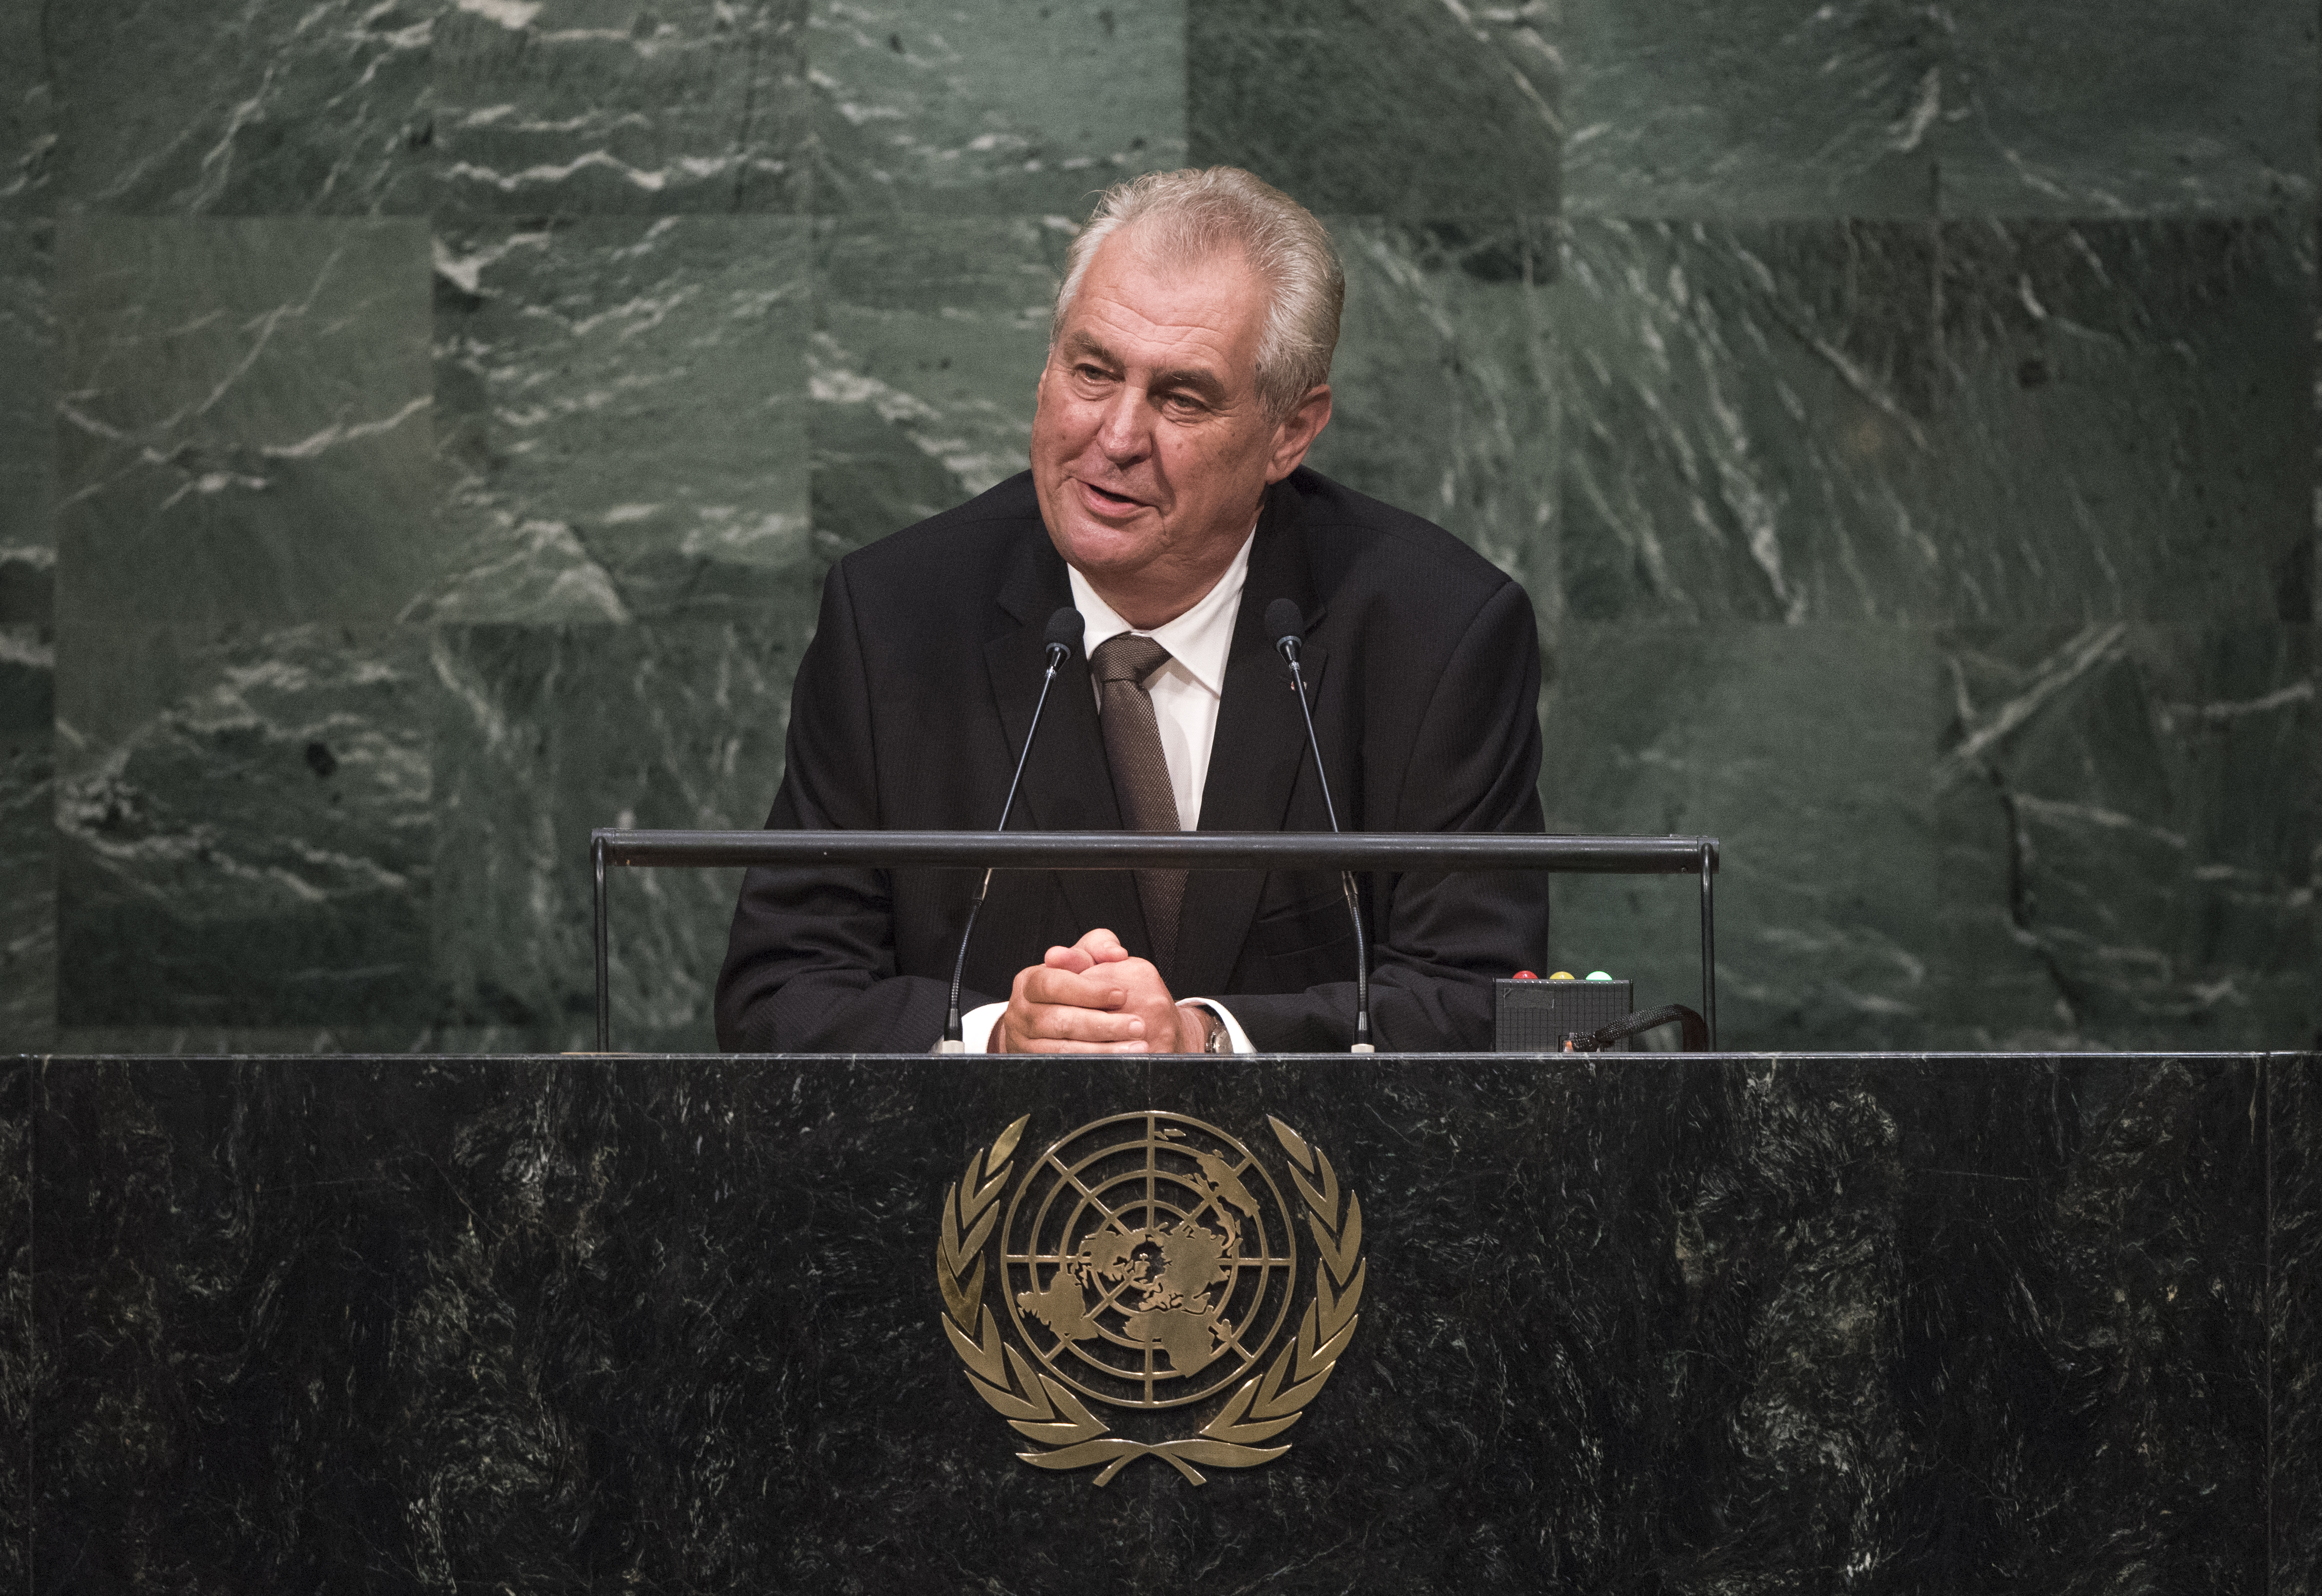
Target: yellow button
[{"x": 1562, "y": 975}]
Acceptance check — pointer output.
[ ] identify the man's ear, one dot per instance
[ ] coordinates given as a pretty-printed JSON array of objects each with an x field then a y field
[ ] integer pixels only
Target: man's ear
[{"x": 1296, "y": 432}]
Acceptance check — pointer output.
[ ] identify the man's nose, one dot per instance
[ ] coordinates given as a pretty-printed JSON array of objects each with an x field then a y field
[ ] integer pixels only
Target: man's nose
[{"x": 1125, "y": 432}]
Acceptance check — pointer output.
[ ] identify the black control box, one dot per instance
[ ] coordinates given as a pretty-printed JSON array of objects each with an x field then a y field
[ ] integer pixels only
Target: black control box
[{"x": 1537, "y": 1016}]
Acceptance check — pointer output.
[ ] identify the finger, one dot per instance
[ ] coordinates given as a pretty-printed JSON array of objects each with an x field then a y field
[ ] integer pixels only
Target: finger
[
  {"x": 1041, "y": 1037},
  {"x": 1061, "y": 1022},
  {"x": 1075, "y": 960},
  {"x": 1044, "y": 1044},
  {"x": 1101, "y": 945},
  {"x": 1013, "y": 1039},
  {"x": 1043, "y": 984},
  {"x": 1136, "y": 972}
]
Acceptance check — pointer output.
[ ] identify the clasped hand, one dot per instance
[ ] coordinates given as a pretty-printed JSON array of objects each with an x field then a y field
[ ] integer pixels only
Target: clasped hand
[{"x": 1094, "y": 996}]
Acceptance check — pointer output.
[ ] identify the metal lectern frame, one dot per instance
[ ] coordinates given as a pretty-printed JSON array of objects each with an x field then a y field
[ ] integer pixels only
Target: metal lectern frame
[{"x": 1191, "y": 850}]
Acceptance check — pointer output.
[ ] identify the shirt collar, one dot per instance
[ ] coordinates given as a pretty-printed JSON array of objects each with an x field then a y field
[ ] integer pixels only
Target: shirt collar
[{"x": 1199, "y": 640}]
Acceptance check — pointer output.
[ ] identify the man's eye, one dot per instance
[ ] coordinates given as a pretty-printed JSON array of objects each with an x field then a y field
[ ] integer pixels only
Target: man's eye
[
  {"x": 1184, "y": 404},
  {"x": 1091, "y": 373}
]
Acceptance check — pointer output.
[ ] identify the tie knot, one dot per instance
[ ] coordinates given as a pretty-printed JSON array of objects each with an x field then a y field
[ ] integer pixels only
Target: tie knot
[{"x": 1127, "y": 658}]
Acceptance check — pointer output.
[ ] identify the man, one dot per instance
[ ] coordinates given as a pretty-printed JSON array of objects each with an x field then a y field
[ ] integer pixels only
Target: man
[{"x": 1187, "y": 376}]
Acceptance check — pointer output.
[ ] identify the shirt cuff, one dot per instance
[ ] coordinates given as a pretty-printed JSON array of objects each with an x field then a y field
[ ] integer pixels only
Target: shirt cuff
[
  {"x": 1234, "y": 1033},
  {"x": 976, "y": 1025}
]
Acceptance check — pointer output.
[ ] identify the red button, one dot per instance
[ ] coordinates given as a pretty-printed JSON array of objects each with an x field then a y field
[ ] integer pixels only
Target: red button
[{"x": 1526, "y": 975}]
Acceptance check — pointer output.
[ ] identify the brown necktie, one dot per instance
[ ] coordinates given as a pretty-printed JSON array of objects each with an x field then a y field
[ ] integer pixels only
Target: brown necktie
[{"x": 1140, "y": 775}]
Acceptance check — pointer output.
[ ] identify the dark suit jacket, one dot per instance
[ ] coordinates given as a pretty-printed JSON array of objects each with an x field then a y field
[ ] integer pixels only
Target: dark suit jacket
[{"x": 910, "y": 706}]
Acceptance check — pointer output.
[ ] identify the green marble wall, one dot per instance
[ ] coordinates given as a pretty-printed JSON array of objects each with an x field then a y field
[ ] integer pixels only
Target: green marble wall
[{"x": 426, "y": 423}]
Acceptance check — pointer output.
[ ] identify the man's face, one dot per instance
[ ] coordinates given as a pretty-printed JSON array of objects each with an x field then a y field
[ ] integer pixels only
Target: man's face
[{"x": 1150, "y": 448}]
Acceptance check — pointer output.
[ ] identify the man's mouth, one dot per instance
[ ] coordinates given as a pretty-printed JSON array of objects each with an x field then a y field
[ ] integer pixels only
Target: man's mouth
[{"x": 1109, "y": 500}]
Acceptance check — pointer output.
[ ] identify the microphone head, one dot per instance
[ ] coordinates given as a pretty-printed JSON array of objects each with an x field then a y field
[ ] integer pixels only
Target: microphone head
[
  {"x": 1065, "y": 630},
  {"x": 1284, "y": 625}
]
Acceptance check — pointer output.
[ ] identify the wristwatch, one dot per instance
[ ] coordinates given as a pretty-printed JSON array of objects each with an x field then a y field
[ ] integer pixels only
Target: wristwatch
[{"x": 1216, "y": 1037}]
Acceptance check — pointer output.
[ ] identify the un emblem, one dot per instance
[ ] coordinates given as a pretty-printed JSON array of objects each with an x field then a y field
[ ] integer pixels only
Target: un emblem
[{"x": 1149, "y": 1262}]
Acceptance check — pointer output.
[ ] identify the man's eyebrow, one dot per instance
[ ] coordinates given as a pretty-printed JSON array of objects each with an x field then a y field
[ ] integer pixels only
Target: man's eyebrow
[
  {"x": 1192, "y": 378},
  {"x": 1080, "y": 343},
  {"x": 1197, "y": 380}
]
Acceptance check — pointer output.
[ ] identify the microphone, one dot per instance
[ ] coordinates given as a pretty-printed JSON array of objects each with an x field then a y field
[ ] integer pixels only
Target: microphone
[
  {"x": 1282, "y": 620},
  {"x": 1060, "y": 641}
]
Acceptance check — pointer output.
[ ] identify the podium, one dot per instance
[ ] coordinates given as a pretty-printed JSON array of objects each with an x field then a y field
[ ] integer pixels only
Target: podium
[{"x": 1625, "y": 1322}]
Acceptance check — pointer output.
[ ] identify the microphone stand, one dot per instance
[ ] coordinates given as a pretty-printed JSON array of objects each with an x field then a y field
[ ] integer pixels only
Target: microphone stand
[
  {"x": 1289, "y": 643},
  {"x": 955, "y": 1039}
]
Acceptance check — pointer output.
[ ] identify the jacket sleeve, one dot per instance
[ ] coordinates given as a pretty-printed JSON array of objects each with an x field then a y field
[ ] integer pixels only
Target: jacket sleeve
[
  {"x": 1438, "y": 941},
  {"x": 810, "y": 962}
]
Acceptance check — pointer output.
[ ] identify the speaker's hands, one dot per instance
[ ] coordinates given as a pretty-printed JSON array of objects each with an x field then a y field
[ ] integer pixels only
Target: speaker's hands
[{"x": 1094, "y": 996}]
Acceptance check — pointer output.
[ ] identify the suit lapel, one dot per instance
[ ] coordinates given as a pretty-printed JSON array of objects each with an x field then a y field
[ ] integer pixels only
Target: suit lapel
[
  {"x": 1257, "y": 753},
  {"x": 1067, "y": 783}
]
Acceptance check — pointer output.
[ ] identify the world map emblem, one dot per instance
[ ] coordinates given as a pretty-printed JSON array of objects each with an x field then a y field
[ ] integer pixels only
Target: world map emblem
[{"x": 1150, "y": 1263}]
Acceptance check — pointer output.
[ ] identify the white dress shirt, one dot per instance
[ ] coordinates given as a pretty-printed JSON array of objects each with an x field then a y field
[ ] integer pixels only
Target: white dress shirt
[{"x": 1185, "y": 694}]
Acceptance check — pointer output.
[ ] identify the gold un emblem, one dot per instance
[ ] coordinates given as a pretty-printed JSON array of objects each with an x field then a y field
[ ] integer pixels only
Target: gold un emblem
[{"x": 1150, "y": 1263}]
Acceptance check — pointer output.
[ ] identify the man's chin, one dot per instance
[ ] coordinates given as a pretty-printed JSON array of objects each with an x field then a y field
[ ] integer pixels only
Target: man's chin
[{"x": 1095, "y": 547}]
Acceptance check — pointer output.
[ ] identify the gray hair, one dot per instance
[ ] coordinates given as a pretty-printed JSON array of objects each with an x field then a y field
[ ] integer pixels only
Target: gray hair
[{"x": 1185, "y": 217}]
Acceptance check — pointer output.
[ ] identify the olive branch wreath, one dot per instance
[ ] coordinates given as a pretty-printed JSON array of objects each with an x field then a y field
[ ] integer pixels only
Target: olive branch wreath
[{"x": 1044, "y": 1410}]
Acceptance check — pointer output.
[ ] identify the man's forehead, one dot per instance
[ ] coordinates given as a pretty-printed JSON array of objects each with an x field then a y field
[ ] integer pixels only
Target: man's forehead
[{"x": 1216, "y": 292}]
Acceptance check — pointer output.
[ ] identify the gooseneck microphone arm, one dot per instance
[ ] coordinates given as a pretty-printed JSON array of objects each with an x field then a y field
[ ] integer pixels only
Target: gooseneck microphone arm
[
  {"x": 1288, "y": 627},
  {"x": 1062, "y": 641}
]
